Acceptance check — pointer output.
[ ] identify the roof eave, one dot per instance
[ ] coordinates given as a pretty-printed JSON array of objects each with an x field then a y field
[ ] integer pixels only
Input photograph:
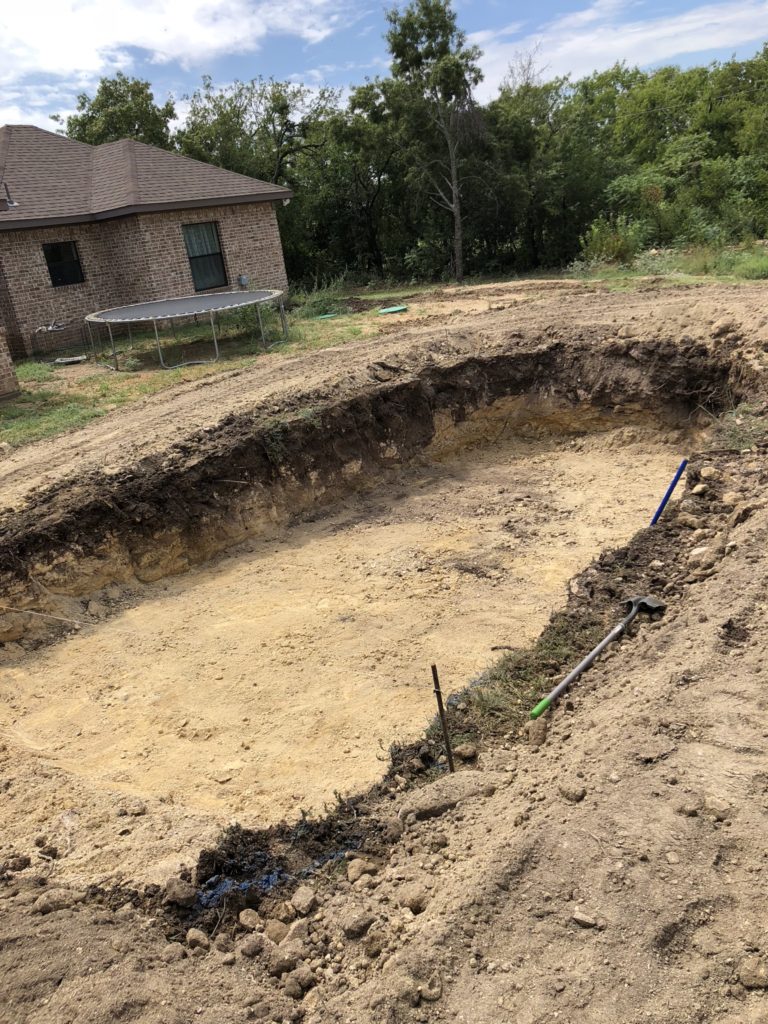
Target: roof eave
[{"x": 275, "y": 196}]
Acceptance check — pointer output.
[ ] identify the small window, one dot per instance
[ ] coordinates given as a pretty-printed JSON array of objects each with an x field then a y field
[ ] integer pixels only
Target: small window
[
  {"x": 205, "y": 259},
  {"x": 63, "y": 263}
]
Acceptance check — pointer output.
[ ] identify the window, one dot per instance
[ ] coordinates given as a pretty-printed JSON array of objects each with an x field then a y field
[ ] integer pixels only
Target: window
[
  {"x": 63, "y": 263},
  {"x": 205, "y": 259}
]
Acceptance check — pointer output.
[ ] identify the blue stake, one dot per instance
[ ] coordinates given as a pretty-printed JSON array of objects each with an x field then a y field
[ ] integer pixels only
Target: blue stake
[{"x": 670, "y": 489}]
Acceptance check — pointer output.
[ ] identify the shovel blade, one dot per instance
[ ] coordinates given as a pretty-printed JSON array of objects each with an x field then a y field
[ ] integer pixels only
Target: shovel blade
[{"x": 646, "y": 604}]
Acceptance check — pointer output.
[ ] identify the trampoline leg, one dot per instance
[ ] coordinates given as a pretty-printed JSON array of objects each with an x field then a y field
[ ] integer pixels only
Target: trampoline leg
[
  {"x": 90, "y": 339},
  {"x": 112, "y": 343},
  {"x": 261, "y": 327},
  {"x": 159, "y": 349},
  {"x": 283, "y": 319},
  {"x": 173, "y": 329},
  {"x": 215, "y": 340},
  {"x": 130, "y": 335}
]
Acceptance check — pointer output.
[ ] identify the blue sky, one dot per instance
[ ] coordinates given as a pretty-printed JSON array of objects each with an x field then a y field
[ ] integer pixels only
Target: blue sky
[{"x": 50, "y": 50}]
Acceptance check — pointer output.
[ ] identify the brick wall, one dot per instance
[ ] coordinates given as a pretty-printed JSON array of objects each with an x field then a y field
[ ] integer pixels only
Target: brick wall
[
  {"x": 125, "y": 260},
  {"x": 8, "y": 383}
]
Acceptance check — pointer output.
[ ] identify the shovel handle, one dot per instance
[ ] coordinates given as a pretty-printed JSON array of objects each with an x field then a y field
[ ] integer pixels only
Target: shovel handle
[{"x": 541, "y": 707}]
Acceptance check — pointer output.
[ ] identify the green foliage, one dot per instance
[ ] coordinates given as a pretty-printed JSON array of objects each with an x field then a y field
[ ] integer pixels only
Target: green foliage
[
  {"x": 614, "y": 241},
  {"x": 122, "y": 108},
  {"x": 320, "y": 300},
  {"x": 412, "y": 178}
]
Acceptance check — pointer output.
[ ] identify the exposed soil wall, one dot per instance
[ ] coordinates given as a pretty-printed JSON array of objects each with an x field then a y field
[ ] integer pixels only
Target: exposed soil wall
[{"x": 246, "y": 475}]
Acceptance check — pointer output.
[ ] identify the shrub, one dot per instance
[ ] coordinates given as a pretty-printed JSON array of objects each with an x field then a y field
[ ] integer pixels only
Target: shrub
[{"x": 613, "y": 241}]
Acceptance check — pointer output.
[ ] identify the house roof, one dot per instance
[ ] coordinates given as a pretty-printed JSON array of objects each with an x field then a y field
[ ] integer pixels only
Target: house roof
[{"x": 56, "y": 180}]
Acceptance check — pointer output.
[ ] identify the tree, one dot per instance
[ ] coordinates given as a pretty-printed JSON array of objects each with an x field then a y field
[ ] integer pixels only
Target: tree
[
  {"x": 122, "y": 108},
  {"x": 434, "y": 73},
  {"x": 261, "y": 127}
]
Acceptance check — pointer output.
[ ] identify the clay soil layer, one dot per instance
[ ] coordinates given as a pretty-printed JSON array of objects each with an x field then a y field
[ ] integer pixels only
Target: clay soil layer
[{"x": 251, "y": 577}]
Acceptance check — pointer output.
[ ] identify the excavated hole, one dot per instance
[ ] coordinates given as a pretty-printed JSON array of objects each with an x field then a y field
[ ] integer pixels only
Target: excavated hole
[
  {"x": 278, "y": 674},
  {"x": 264, "y": 682}
]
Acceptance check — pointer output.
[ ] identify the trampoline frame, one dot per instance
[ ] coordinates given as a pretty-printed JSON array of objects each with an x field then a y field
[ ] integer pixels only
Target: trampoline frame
[{"x": 264, "y": 295}]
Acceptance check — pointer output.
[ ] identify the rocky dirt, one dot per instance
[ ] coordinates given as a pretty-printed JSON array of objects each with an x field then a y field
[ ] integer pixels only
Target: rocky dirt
[{"x": 601, "y": 865}]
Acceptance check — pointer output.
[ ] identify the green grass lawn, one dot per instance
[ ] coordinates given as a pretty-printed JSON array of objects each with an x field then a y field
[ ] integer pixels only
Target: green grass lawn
[{"x": 55, "y": 399}]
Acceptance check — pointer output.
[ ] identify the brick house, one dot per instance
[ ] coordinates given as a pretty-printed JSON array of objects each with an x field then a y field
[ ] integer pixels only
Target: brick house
[{"x": 98, "y": 226}]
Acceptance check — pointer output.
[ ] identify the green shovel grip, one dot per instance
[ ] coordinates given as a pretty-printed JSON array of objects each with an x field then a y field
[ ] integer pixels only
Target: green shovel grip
[{"x": 541, "y": 707}]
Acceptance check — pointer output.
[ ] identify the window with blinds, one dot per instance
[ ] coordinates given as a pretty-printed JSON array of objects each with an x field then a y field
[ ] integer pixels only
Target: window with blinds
[{"x": 205, "y": 258}]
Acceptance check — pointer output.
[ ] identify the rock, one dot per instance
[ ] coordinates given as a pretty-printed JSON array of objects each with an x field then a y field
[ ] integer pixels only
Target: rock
[
  {"x": 583, "y": 920},
  {"x": 444, "y": 794},
  {"x": 691, "y": 522},
  {"x": 689, "y": 808},
  {"x": 355, "y": 922},
  {"x": 276, "y": 931},
  {"x": 223, "y": 943},
  {"x": 709, "y": 473},
  {"x": 302, "y": 978},
  {"x": 536, "y": 732},
  {"x": 413, "y": 896},
  {"x": 573, "y": 794},
  {"x": 136, "y": 808},
  {"x": 466, "y": 751},
  {"x": 374, "y": 943},
  {"x": 173, "y": 951},
  {"x": 753, "y": 972},
  {"x": 229, "y": 959},
  {"x": 703, "y": 557},
  {"x": 718, "y": 809},
  {"x": 298, "y": 931},
  {"x": 284, "y": 958},
  {"x": 285, "y": 912},
  {"x": 251, "y": 920},
  {"x": 304, "y": 900},
  {"x": 699, "y": 489},
  {"x": 197, "y": 939},
  {"x": 56, "y": 899},
  {"x": 292, "y": 988},
  {"x": 179, "y": 893},
  {"x": 359, "y": 867},
  {"x": 731, "y": 498},
  {"x": 672, "y": 857},
  {"x": 432, "y": 991},
  {"x": 18, "y": 862},
  {"x": 405, "y": 988},
  {"x": 723, "y": 327},
  {"x": 252, "y": 945}
]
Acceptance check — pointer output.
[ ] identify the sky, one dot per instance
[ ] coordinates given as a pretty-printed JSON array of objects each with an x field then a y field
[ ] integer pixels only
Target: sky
[{"x": 52, "y": 50}]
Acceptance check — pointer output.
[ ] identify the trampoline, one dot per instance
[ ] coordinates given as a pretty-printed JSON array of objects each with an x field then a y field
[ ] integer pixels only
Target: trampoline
[{"x": 184, "y": 307}]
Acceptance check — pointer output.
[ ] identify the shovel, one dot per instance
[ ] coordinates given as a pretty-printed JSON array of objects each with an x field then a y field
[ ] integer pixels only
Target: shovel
[{"x": 649, "y": 605}]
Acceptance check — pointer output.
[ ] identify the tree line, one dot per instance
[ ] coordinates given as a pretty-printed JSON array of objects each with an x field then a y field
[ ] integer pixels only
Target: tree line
[{"x": 409, "y": 176}]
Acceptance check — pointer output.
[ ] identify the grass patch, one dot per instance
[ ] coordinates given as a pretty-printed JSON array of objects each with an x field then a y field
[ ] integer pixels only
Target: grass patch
[
  {"x": 33, "y": 372},
  {"x": 740, "y": 428},
  {"x": 43, "y": 413},
  {"x": 679, "y": 266}
]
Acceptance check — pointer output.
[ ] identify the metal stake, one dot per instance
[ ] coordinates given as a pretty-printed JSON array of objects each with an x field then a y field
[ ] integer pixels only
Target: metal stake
[
  {"x": 283, "y": 319},
  {"x": 443, "y": 720}
]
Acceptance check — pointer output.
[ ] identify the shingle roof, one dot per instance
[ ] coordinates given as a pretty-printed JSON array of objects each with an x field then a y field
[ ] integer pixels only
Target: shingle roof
[{"x": 56, "y": 180}]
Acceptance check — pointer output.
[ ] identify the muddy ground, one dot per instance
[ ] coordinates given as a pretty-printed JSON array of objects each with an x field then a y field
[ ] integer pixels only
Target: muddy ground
[{"x": 604, "y": 865}]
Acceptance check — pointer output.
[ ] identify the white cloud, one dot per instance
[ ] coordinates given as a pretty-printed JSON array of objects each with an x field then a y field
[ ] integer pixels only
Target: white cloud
[
  {"x": 74, "y": 42},
  {"x": 597, "y": 37}
]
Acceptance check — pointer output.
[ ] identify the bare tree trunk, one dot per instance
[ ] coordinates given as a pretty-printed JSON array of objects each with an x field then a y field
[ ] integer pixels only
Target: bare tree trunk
[{"x": 458, "y": 235}]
